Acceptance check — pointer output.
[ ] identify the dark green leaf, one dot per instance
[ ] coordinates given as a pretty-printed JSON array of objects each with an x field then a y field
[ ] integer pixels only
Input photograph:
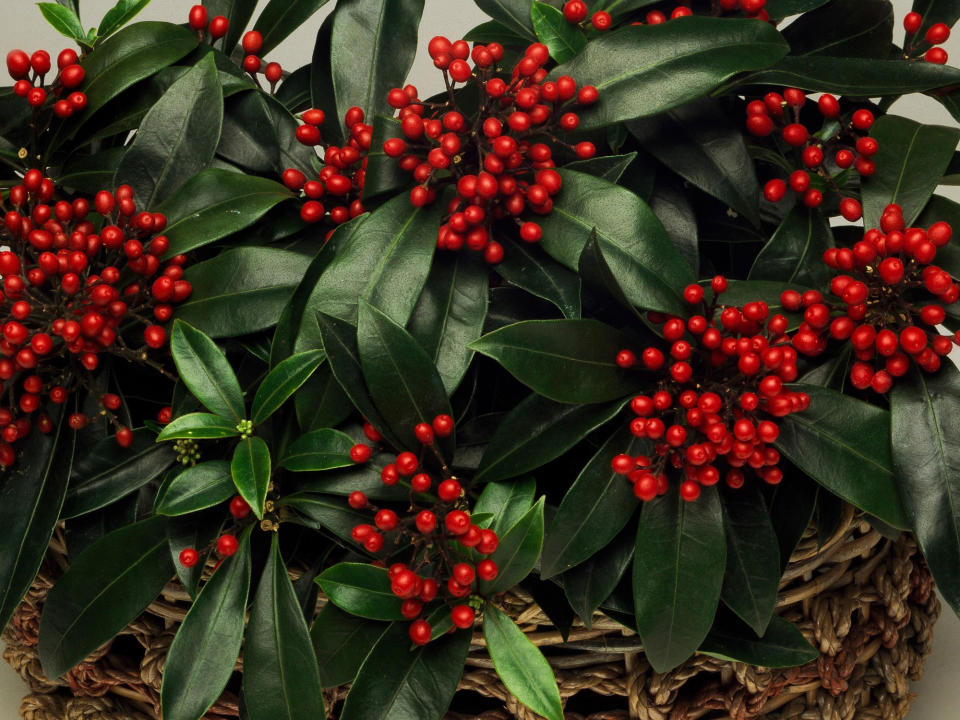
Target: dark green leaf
[
  {"x": 534, "y": 271},
  {"x": 397, "y": 683},
  {"x": 934, "y": 11},
  {"x": 215, "y": 204},
  {"x": 697, "y": 142},
  {"x": 204, "y": 369},
  {"x": 670, "y": 202},
  {"x": 926, "y": 454},
  {"x": 632, "y": 239},
  {"x": 207, "y": 644},
  {"x": 795, "y": 251},
  {"x": 753, "y": 560},
  {"x": 506, "y": 501},
  {"x": 450, "y": 314},
  {"x": 282, "y": 382},
  {"x": 844, "y": 444},
  {"x": 342, "y": 642},
  {"x": 608, "y": 167},
  {"x": 177, "y": 138},
  {"x": 107, "y": 585},
  {"x": 321, "y": 402},
  {"x": 677, "y": 574},
  {"x": 595, "y": 509},
  {"x": 517, "y": 553},
  {"x": 520, "y": 664},
  {"x": 250, "y": 469},
  {"x": 259, "y": 135},
  {"x": 198, "y": 487},
  {"x": 238, "y": 12},
  {"x": 196, "y": 530},
  {"x": 782, "y": 646},
  {"x": 404, "y": 384},
  {"x": 31, "y": 496},
  {"x": 118, "y": 16},
  {"x": 108, "y": 472},
  {"x": 321, "y": 85},
  {"x": 910, "y": 164},
  {"x": 780, "y": 9},
  {"x": 281, "y": 17},
  {"x": 572, "y": 361},
  {"x": 537, "y": 431},
  {"x": 386, "y": 262},
  {"x": 63, "y": 20},
  {"x": 844, "y": 28},
  {"x": 281, "y": 678},
  {"x": 646, "y": 69},
  {"x": 327, "y": 512},
  {"x": 552, "y": 29},
  {"x": 322, "y": 449},
  {"x": 792, "y": 504},
  {"x": 90, "y": 172},
  {"x": 595, "y": 274},
  {"x": 939, "y": 209},
  {"x": 294, "y": 93},
  {"x": 384, "y": 175},
  {"x": 362, "y": 590},
  {"x": 513, "y": 15},
  {"x": 198, "y": 426},
  {"x": 372, "y": 47},
  {"x": 241, "y": 291},
  {"x": 589, "y": 584}
]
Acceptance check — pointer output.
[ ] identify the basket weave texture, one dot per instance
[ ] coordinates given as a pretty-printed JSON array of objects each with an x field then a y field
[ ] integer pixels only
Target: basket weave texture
[{"x": 868, "y": 604}]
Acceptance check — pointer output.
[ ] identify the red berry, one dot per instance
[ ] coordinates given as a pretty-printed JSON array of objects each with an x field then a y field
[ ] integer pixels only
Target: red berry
[
  {"x": 360, "y": 453},
  {"x": 424, "y": 433},
  {"x": 420, "y": 632},
  {"x": 252, "y": 42},
  {"x": 457, "y": 522},
  {"x": 426, "y": 521},
  {"x": 575, "y": 11},
  {"x": 601, "y": 20},
  {"x": 937, "y": 34},
  {"x": 124, "y": 437},
  {"x": 449, "y": 490},
  {"x": 189, "y": 557},
  {"x": 219, "y": 27},
  {"x": 239, "y": 507},
  {"x": 443, "y": 425},
  {"x": 912, "y": 22},
  {"x": 462, "y": 616},
  {"x": 407, "y": 463},
  {"x": 227, "y": 545}
]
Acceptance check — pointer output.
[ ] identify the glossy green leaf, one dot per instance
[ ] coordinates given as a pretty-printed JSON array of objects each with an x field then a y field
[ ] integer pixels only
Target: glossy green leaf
[
  {"x": 360, "y": 589},
  {"x": 506, "y": 501},
  {"x": 321, "y": 402},
  {"x": 259, "y": 135},
  {"x": 513, "y": 15},
  {"x": 647, "y": 69},
  {"x": 281, "y": 17},
  {"x": 450, "y": 314},
  {"x": 910, "y": 164},
  {"x": 386, "y": 262},
  {"x": 342, "y": 642},
  {"x": 321, "y": 85},
  {"x": 198, "y": 426},
  {"x": 520, "y": 664},
  {"x": 753, "y": 559},
  {"x": 294, "y": 93},
  {"x": 608, "y": 167},
  {"x": 107, "y": 585},
  {"x": 322, "y": 449},
  {"x": 633, "y": 240},
  {"x": 699, "y": 143},
  {"x": 670, "y": 202},
  {"x": 518, "y": 552},
  {"x": 107, "y": 472},
  {"x": 384, "y": 176},
  {"x": 571, "y": 361},
  {"x": 250, "y": 469},
  {"x": 118, "y": 16},
  {"x": 595, "y": 509},
  {"x": 217, "y": 203},
  {"x": 204, "y": 369},
  {"x": 87, "y": 173},
  {"x": 795, "y": 251},
  {"x": 404, "y": 384},
  {"x": 782, "y": 646},
  {"x": 595, "y": 274},
  {"x": 241, "y": 291},
  {"x": 281, "y": 678},
  {"x": 677, "y": 574},
  {"x": 537, "y": 273},
  {"x": 563, "y": 39},
  {"x": 372, "y": 47},
  {"x": 205, "y": 649},
  {"x": 238, "y": 12},
  {"x": 537, "y": 431},
  {"x": 177, "y": 138},
  {"x": 589, "y": 584},
  {"x": 844, "y": 444},
  {"x": 63, "y": 20},
  {"x": 328, "y": 513},
  {"x": 926, "y": 441},
  {"x": 396, "y": 682},
  {"x": 844, "y": 28},
  {"x": 282, "y": 382},
  {"x": 198, "y": 487},
  {"x": 31, "y": 496}
]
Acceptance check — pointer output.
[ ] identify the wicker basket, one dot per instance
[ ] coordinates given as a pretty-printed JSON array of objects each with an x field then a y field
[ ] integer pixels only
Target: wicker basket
[{"x": 865, "y": 601}]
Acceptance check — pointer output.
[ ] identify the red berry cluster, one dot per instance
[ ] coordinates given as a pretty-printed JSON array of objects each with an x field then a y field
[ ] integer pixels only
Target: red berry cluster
[
  {"x": 198, "y": 20},
  {"x": 226, "y": 544},
  {"x": 575, "y": 12},
  {"x": 498, "y": 157},
  {"x": 29, "y": 74},
  {"x": 341, "y": 178},
  {"x": 893, "y": 299},
  {"x": 722, "y": 390},
  {"x": 444, "y": 548},
  {"x": 71, "y": 292},
  {"x": 925, "y": 47},
  {"x": 848, "y": 145},
  {"x": 252, "y": 44}
]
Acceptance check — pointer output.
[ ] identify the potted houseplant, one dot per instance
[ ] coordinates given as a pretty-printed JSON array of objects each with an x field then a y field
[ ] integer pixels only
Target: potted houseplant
[{"x": 558, "y": 391}]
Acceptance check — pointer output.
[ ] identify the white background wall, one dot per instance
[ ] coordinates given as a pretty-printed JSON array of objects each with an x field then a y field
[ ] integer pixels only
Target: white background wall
[{"x": 24, "y": 28}]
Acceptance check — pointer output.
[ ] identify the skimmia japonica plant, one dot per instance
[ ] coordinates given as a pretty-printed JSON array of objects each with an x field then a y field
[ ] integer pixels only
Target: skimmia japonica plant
[{"x": 630, "y": 296}]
